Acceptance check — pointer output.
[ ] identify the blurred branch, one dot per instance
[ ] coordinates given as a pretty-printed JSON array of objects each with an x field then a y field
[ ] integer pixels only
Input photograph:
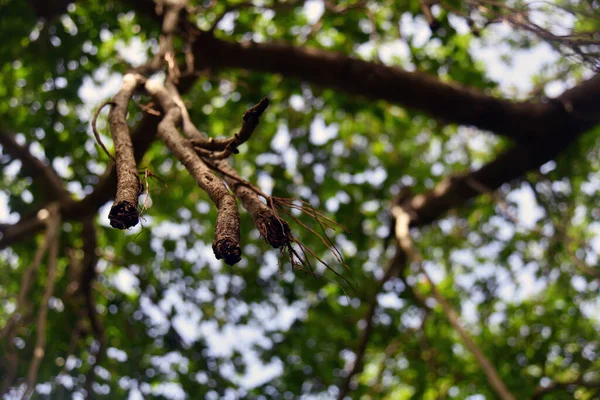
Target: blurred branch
[
  {"x": 390, "y": 350},
  {"x": 43, "y": 175},
  {"x": 426, "y": 9},
  {"x": 402, "y": 232},
  {"x": 50, "y": 217},
  {"x": 49, "y": 9},
  {"x": 272, "y": 228},
  {"x": 42, "y": 319},
  {"x": 88, "y": 277},
  {"x": 448, "y": 102},
  {"x": 395, "y": 267},
  {"x": 170, "y": 10}
]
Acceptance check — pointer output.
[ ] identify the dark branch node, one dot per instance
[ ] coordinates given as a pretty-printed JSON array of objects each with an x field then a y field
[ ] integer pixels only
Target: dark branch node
[
  {"x": 274, "y": 230},
  {"x": 124, "y": 215},
  {"x": 227, "y": 249}
]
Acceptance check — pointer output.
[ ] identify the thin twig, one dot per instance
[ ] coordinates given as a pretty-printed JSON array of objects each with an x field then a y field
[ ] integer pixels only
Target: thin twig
[{"x": 95, "y": 130}]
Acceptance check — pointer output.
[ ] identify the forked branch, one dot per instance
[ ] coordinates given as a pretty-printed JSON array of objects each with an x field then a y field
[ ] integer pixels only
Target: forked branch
[
  {"x": 226, "y": 147},
  {"x": 226, "y": 244}
]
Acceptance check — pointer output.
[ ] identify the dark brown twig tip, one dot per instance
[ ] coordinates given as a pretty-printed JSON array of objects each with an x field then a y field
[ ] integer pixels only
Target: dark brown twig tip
[
  {"x": 95, "y": 130},
  {"x": 228, "y": 250},
  {"x": 253, "y": 113},
  {"x": 274, "y": 230},
  {"x": 124, "y": 215}
]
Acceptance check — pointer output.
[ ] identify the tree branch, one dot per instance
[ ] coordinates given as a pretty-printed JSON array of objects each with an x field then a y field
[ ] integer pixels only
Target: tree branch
[
  {"x": 43, "y": 175},
  {"x": 88, "y": 277},
  {"x": 42, "y": 319},
  {"x": 226, "y": 244},
  {"x": 450, "y": 102},
  {"x": 402, "y": 232},
  {"x": 124, "y": 212},
  {"x": 272, "y": 228},
  {"x": 171, "y": 10},
  {"x": 142, "y": 138},
  {"x": 576, "y": 109}
]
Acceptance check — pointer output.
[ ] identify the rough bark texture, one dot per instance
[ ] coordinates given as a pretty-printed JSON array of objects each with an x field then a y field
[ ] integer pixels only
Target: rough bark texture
[
  {"x": 229, "y": 146},
  {"x": 556, "y": 123},
  {"x": 226, "y": 244},
  {"x": 124, "y": 212},
  {"x": 274, "y": 230}
]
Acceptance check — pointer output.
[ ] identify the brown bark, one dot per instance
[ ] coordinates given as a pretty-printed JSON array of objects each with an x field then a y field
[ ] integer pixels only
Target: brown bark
[
  {"x": 575, "y": 111},
  {"x": 450, "y": 102},
  {"x": 124, "y": 212},
  {"x": 229, "y": 146},
  {"x": 274, "y": 230},
  {"x": 226, "y": 244}
]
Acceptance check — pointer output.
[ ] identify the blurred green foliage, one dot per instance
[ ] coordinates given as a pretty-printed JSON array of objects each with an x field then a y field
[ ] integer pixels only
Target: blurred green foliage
[{"x": 161, "y": 295}]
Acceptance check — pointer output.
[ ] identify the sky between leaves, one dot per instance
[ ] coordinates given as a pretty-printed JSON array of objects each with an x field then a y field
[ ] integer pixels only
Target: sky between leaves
[{"x": 514, "y": 79}]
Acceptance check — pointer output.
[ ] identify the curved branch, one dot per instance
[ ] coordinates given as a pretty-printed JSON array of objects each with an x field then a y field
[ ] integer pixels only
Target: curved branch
[
  {"x": 456, "y": 190},
  {"x": 402, "y": 232},
  {"x": 450, "y": 102},
  {"x": 43, "y": 175}
]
